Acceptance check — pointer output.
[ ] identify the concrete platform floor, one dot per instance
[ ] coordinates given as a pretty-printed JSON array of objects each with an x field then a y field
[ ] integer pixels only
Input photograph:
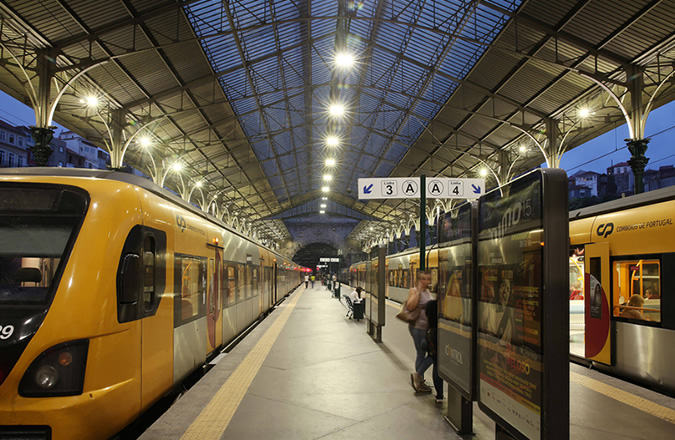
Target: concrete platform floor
[{"x": 321, "y": 376}]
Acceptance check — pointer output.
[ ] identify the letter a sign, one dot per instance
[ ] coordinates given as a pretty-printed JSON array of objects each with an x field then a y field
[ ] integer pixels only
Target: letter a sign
[
  {"x": 411, "y": 188},
  {"x": 435, "y": 188}
]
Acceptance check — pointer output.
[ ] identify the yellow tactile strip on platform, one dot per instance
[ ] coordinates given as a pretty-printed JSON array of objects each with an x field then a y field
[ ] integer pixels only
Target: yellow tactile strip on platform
[
  {"x": 214, "y": 418},
  {"x": 625, "y": 397}
]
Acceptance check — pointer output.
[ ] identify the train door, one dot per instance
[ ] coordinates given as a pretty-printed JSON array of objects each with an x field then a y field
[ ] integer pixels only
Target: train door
[
  {"x": 213, "y": 302},
  {"x": 269, "y": 285},
  {"x": 262, "y": 287},
  {"x": 597, "y": 304},
  {"x": 157, "y": 316},
  {"x": 275, "y": 282}
]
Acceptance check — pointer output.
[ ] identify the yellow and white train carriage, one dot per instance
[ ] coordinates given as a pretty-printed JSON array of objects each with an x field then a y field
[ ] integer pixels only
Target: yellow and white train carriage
[
  {"x": 112, "y": 290},
  {"x": 624, "y": 251}
]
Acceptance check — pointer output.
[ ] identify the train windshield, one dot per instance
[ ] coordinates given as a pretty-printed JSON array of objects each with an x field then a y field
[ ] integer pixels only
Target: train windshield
[{"x": 38, "y": 224}]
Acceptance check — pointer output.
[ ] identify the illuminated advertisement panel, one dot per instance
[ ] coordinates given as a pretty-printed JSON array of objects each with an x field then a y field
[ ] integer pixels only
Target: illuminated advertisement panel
[
  {"x": 456, "y": 353},
  {"x": 522, "y": 238}
]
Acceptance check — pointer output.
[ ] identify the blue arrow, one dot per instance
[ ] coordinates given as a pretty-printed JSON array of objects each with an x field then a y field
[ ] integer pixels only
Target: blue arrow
[
  {"x": 476, "y": 189},
  {"x": 367, "y": 189}
]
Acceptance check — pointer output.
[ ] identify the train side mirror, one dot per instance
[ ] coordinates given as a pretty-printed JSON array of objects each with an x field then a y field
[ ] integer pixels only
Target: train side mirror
[{"x": 129, "y": 279}]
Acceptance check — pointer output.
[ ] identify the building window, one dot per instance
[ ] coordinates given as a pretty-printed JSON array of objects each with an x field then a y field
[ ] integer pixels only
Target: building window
[
  {"x": 2, "y": 135},
  {"x": 20, "y": 161},
  {"x": 2, "y": 157},
  {"x": 10, "y": 161},
  {"x": 20, "y": 140},
  {"x": 60, "y": 149},
  {"x": 11, "y": 138}
]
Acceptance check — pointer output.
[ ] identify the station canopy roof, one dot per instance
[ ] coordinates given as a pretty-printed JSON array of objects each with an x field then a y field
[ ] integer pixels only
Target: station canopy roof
[{"x": 240, "y": 92}]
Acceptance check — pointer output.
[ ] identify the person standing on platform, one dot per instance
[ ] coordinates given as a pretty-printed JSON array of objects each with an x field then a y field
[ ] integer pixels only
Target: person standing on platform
[
  {"x": 306, "y": 281},
  {"x": 312, "y": 278},
  {"x": 418, "y": 297}
]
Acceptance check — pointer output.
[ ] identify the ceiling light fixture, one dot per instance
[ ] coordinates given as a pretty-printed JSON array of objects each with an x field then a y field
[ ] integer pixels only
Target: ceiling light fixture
[
  {"x": 336, "y": 110},
  {"x": 584, "y": 112},
  {"x": 344, "y": 60}
]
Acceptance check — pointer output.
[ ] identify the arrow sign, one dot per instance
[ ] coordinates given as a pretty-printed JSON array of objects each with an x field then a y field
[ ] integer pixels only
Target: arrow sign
[
  {"x": 476, "y": 189},
  {"x": 368, "y": 189}
]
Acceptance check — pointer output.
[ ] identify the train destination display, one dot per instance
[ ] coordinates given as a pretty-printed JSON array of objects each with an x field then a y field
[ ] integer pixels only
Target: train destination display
[{"x": 516, "y": 242}]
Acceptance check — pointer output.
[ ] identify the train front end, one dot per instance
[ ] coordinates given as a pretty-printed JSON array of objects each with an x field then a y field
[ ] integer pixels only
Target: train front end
[{"x": 55, "y": 337}]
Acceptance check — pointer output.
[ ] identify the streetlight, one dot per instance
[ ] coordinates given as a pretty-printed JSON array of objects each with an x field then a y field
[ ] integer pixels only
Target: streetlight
[
  {"x": 196, "y": 185},
  {"x": 177, "y": 167}
]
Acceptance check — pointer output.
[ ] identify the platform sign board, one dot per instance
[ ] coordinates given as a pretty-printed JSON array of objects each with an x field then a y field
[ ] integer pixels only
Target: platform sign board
[
  {"x": 456, "y": 301},
  {"x": 410, "y": 188},
  {"x": 523, "y": 315}
]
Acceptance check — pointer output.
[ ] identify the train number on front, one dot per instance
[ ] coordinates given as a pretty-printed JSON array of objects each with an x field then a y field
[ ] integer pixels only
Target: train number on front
[{"x": 6, "y": 331}]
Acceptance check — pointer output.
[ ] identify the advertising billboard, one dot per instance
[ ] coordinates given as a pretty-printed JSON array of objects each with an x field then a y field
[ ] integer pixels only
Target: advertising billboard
[
  {"x": 456, "y": 335},
  {"x": 522, "y": 295}
]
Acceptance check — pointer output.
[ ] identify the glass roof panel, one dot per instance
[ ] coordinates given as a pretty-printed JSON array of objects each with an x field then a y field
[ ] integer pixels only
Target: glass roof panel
[{"x": 277, "y": 71}]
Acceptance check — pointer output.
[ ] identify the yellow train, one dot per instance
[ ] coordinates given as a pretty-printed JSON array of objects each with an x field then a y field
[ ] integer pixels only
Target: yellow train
[
  {"x": 620, "y": 251},
  {"x": 112, "y": 291}
]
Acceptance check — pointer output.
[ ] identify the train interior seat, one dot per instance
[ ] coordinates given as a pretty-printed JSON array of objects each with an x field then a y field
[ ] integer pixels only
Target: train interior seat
[{"x": 28, "y": 275}]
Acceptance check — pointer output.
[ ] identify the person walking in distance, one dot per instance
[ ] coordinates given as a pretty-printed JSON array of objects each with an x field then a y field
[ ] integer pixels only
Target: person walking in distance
[
  {"x": 306, "y": 281},
  {"x": 418, "y": 297}
]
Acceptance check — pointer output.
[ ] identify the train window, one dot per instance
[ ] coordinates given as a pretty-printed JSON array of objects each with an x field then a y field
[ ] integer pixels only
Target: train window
[
  {"x": 255, "y": 280},
  {"x": 249, "y": 280},
  {"x": 191, "y": 287},
  {"x": 434, "y": 280},
  {"x": 576, "y": 277},
  {"x": 406, "y": 279},
  {"x": 230, "y": 285},
  {"x": 149, "y": 273},
  {"x": 241, "y": 283},
  {"x": 636, "y": 288}
]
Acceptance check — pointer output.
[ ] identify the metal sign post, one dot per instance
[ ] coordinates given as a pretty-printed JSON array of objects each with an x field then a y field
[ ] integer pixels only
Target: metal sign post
[{"x": 423, "y": 224}]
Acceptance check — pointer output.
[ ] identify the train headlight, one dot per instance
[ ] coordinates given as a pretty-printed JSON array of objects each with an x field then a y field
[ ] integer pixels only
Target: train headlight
[
  {"x": 58, "y": 371},
  {"x": 46, "y": 377}
]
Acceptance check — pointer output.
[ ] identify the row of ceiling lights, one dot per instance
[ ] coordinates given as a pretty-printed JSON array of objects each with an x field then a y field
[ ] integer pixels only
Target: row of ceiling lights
[{"x": 343, "y": 61}]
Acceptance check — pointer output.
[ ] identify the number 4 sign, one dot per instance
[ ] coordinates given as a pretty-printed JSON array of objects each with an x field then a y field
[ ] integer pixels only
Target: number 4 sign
[{"x": 456, "y": 188}]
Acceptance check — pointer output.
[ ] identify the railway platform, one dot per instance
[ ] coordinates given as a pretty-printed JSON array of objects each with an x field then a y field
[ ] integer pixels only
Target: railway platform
[{"x": 309, "y": 372}]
